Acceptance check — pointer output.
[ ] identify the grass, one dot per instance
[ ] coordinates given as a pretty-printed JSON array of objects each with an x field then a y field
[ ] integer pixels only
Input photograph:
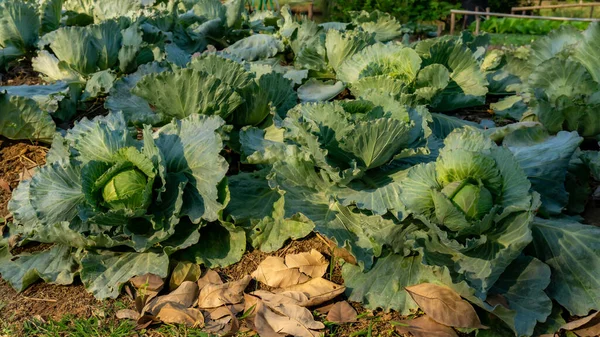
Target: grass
[{"x": 513, "y": 39}]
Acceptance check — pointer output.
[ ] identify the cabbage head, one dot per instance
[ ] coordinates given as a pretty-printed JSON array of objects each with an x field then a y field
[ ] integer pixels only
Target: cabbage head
[{"x": 475, "y": 205}]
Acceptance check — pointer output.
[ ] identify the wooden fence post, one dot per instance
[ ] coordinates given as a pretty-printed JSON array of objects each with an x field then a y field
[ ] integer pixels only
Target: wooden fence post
[
  {"x": 487, "y": 10},
  {"x": 477, "y": 21},
  {"x": 452, "y": 23},
  {"x": 310, "y": 10}
]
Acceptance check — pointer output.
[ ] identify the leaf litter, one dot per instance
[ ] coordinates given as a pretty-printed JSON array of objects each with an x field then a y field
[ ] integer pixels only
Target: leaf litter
[{"x": 203, "y": 300}]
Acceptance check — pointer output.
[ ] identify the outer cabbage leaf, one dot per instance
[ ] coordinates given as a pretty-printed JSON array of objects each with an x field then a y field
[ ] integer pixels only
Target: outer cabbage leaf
[
  {"x": 57, "y": 265},
  {"x": 545, "y": 162},
  {"x": 522, "y": 285},
  {"x": 186, "y": 92},
  {"x": 565, "y": 97},
  {"x": 587, "y": 50},
  {"x": 256, "y": 47},
  {"x": 135, "y": 109},
  {"x": 316, "y": 91},
  {"x": 468, "y": 85},
  {"x": 104, "y": 273},
  {"x": 383, "y": 25},
  {"x": 19, "y": 25},
  {"x": 383, "y": 285},
  {"x": 22, "y": 118},
  {"x": 571, "y": 251},
  {"x": 393, "y": 60}
]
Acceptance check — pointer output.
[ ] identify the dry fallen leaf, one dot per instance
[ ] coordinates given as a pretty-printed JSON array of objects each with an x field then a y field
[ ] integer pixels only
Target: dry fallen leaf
[
  {"x": 220, "y": 312},
  {"x": 184, "y": 271},
  {"x": 325, "y": 309},
  {"x": 278, "y": 319},
  {"x": 318, "y": 290},
  {"x": 342, "y": 312},
  {"x": 145, "y": 321},
  {"x": 216, "y": 295},
  {"x": 293, "y": 320},
  {"x": 27, "y": 174},
  {"x": 149, "y": 282},
  {"x": 147, "y": 287},
  {"x": 185, "y": 295},
  {"x": 444, "y": 305},
  {"x": 313, "y": 264},
  {"x": 588, "y": 326},
  {"x": 274, "y": 273},
  {"x": 425, "y": 327},
  {"x": 257, "y": 318},
  {"x": 175, "y": 313},
  {"x": 340, "y": 253},
  {"x": 127, "y": 314},
  {"x": 209, "y": 277},
  {"x": 285, "y": 297},
  {"x": 4, "y": 185},
  {"x": 226, "y": 325}
]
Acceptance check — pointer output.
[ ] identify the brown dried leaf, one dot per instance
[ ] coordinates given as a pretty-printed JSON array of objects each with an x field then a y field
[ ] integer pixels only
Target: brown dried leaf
[
  {"x": 444, "y": 305},
  {"x": 313, "y": 264},
  {"x": 274, "y": 273},
  {"x": 425, "y": 327},
  {"x": 227, "y": 325},
  {"x": 220, "y": 312},
  {"x": 127, "y": 314},
  {"x": 185, "y": 295},
  {"x": 175, "y": 313},
  {"x": 26, "y": 174},
  {"x": 149, "y": 282},
  {"x": 209, "y": 277},
  {"x": 340, "y": 253},
  {"x": 318, "y": 290},
  {"x": 342, "y": 312},
  {"x": 257, "y": 320},
  {"x": 324, "y": 309},
  {"x": 147, "y": 287},
  {"x": 216, "y": 295},
  {"x": 4, "y": 185},
  {"x": 285, "y": 297},
  {"x": 588, "y": 326},
  {"x": 145, "y": 321},
  {"x": 293, "y": 320},
  {"x": 184, "y": 271},
  {"x": 275, "y": 320}
]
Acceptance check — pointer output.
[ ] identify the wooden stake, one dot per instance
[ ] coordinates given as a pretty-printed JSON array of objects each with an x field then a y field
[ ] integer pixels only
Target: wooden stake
[
  {"x": 477, "y": 23},
  {"x": 452, "y": 23}
]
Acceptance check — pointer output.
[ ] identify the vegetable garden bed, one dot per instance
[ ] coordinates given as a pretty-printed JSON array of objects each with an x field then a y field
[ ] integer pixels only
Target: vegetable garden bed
[{"x": 233, "y": 173}]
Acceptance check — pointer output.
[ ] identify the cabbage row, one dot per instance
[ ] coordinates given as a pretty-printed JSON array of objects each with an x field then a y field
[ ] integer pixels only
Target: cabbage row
[{"x": 226, "y": 129}]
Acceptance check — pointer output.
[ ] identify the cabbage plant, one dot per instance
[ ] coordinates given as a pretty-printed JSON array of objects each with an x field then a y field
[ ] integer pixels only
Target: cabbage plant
[
  {"x": 325, "y": 164},
  {"x": 210, "y": 85},
  {"x": 476, "y": 206},
  {"x": 115, "y": 207}
]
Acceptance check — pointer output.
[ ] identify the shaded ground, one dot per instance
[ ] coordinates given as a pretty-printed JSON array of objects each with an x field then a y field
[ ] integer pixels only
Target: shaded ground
[
  {"x": 16, "y": 159},
  {"x": 20, "y": 74}
]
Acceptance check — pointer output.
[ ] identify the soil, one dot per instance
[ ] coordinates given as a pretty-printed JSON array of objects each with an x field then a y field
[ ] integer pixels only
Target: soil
[
  {"x": 20, "y": 74},
  {"x": 16, "y": 160}
]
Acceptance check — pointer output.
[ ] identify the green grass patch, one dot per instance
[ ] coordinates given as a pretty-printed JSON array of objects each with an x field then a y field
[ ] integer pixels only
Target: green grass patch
[
  {"x": 512, "y": 39},
  {"x": 79, "y": 327}
]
